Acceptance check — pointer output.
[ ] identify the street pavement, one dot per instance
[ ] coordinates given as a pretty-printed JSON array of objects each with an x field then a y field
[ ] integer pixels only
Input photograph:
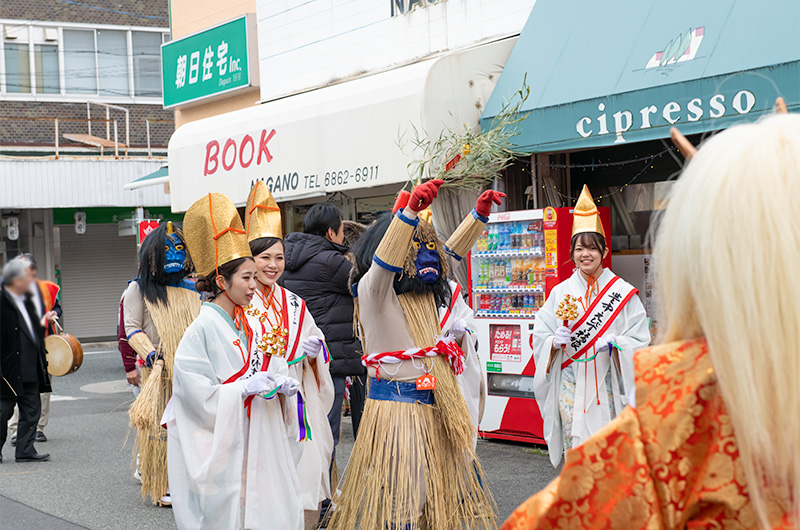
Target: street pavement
[{"x": 88, "y": 483}]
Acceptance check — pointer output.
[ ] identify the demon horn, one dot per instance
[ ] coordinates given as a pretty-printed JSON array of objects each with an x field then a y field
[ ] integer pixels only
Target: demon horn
[
  {"x": 401, "y": 201},
  {"x": 683, "y": 145}
]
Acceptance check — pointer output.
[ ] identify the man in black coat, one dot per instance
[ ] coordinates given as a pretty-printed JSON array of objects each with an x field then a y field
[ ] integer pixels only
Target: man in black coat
[
  {"x": 318, "y": 271},
  {"x": 23, "y": 362}
]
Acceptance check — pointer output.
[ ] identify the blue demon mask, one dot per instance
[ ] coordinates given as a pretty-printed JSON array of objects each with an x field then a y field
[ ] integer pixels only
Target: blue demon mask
[
  {"x": 175, "y": 256},
  {"x": 427, "y": 262}
]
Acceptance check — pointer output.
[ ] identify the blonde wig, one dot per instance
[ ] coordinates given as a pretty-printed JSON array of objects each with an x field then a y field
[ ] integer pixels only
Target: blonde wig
[{"x": 727, "y": 260}]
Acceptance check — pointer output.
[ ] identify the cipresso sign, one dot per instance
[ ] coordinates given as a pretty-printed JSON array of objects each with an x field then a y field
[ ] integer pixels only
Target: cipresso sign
[
  {"x": 694, "y": 106},
  {"x": 621, "y": 121},
  {"x": 208, "y": 64}
]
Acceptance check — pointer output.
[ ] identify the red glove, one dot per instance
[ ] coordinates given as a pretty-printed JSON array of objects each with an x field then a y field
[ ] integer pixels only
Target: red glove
[
  {"x": 484, "y": 204},
  {"x": 423, "y": 195}
]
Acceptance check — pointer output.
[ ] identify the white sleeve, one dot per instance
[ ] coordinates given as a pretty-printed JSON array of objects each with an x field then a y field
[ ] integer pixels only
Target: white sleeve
[
  {"x": 206, "y": 438},
  {"x": 546, "y": 385},
  {"x": 635, "y": 336}
]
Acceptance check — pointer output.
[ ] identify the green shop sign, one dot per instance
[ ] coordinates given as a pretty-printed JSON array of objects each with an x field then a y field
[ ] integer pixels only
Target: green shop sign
[
  {"x": 66, "y": 216},
  {"x": 209, "y": 63}
]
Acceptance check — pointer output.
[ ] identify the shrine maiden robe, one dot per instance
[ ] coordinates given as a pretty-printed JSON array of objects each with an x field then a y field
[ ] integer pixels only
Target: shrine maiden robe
[
  {"x": 313, "y": 466},
  {"x": 228, "y": 471},
  {"x": 471, "y": 381},
  {"x": 613, "y": 382},
  {"x": 672, "y": 462}
]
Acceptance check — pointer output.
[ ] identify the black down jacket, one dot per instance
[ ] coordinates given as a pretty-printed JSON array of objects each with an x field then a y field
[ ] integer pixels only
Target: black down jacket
[{"x": 317, "y": 271}]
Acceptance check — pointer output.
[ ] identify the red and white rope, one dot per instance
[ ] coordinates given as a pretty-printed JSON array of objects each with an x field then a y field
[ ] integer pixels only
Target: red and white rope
[{"x": 445, "y": 346}]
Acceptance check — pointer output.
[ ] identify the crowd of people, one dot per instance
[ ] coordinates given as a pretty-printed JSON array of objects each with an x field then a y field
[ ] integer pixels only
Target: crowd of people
[{"x": 241, "y": 345}]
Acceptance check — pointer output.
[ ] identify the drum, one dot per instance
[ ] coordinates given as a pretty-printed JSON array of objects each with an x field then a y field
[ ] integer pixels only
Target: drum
[{"x": 64, "y": 353}]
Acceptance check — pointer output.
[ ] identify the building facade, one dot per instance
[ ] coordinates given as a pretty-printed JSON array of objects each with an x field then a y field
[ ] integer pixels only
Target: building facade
[
  {"x": 81, "y": 115},
  {"x": 343, "y": 88}
]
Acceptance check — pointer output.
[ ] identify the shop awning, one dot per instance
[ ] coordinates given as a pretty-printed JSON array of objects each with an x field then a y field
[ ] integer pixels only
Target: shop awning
[
  {"x": 160, "y": 176},
  {"x": 80, "y": 182},
  {"x": 625, "y": 70},
  {"x": 342, "y": 137}
]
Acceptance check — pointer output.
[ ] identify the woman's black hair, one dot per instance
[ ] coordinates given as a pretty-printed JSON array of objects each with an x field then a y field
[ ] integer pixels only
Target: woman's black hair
[
  {"x": 257, "y": 246},
  {"x": 153, "y": 281},
  {"x": 366, "y": 246},
  {"x": 320, "y": 218},
  {"x": 208, "y": 283},
  {"x": 588, "y": 239}
]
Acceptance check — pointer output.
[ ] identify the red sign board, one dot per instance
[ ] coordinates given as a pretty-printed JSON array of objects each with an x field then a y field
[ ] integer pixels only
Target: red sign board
[
  {"x": 450, "y": 165},
  {"x": 505, "y": 342},
  {"x": 145, "y": 227}
]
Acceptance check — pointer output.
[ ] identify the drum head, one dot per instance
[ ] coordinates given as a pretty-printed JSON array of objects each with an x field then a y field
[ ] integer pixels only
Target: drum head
[{"x": 59, "y": 355}]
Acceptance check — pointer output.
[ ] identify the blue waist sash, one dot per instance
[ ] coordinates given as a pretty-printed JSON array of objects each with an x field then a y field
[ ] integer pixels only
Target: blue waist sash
[{"x": 384, "y": 390}]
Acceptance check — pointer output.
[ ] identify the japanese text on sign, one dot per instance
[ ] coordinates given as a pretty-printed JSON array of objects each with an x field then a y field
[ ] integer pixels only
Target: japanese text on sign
[
  {"x": 505, "y": 342},
  {"x": 206, "y": 63},
  {"x": 551, "y": 252}
]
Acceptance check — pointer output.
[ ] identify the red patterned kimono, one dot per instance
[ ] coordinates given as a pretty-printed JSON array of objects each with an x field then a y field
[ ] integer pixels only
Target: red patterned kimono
[{"x": 672, "y": 462}]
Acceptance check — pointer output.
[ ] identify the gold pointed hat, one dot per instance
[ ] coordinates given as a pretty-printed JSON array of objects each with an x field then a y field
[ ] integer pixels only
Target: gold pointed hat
[
  {"x": 214, "y": 233},
  {"x": 586, "y": 218},
  {"x": 262, "y": 214}
]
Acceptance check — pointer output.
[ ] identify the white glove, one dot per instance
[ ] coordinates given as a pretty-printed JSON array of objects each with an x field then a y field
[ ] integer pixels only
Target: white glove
[
  {"x": 561, "y": 337},
  {"x": 458, "y": 328},
  {"x": 258, "y": 383},
  {"x": 311, "y": 347},
  {"x": 288, "y": 385},
  {"x": 606, "y": 339}
]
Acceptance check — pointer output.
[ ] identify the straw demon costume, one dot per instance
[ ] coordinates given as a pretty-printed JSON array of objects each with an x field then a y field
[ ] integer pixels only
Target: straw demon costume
[
  {"x": 414, "y": 463},
  {"x": 157, "y": 308}
]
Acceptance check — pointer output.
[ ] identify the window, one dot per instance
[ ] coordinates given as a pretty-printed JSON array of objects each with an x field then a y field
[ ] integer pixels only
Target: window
[
  {"x": 80, "y": 69},
  {"x": 18, "y": 68},
  {"x": 146, "y": 64},
  {"x": 112, "y": 63},
  {"x": 107, "y": 62},
  {"x": 46, "y": 67}
]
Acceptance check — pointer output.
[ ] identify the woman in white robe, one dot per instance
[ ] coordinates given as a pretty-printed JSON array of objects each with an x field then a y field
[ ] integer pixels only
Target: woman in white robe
[
  {"x": 583, "y": 386},
  {"x": 229, "y": 453},
  {"x": 308, "y": 362},
  {"x": 458, "y": 319}
]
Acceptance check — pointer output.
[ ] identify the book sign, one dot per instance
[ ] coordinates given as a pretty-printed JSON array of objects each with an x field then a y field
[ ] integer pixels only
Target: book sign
[{"x": 505, "y": 342}]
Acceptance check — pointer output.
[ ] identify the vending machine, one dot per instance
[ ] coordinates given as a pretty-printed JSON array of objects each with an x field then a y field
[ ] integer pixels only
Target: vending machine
[{"x": 519, "y": 258}]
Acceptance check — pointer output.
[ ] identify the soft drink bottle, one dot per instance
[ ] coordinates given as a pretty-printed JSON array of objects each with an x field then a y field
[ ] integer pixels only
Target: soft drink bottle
[{"x": 509, "y": 272}]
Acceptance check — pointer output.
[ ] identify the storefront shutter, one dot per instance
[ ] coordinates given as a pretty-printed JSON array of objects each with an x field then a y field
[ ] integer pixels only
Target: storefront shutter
[{"x": 95, "y": 269}]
